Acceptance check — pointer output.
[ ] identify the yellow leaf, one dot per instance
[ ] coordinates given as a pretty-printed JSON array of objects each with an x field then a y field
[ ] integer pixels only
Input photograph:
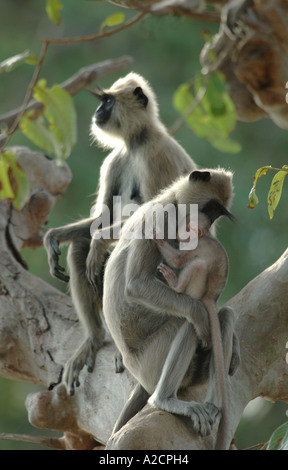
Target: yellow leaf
[
  {"x": 275, "y": 192},
  {"x": 53, "y": 8},
  {"x": 113, "y": 20},
  {"x": 261, "y": 172}
]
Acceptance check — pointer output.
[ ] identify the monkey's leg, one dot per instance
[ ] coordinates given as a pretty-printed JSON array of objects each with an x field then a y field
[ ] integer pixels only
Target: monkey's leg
[
  {"x": 135, "y": 403},
  {"x": 175, "y": 367},
  {"x": 231, "y": 347},
  {"x": 218, "y": 387},
  {"x": 95, "y": 259},
  {"x": 101, "y": 240},
  {"x": 88, "y": 305}
]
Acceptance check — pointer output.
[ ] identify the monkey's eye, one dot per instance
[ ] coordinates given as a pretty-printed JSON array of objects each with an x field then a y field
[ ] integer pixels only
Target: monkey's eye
[{"x": 108, "y": 99}]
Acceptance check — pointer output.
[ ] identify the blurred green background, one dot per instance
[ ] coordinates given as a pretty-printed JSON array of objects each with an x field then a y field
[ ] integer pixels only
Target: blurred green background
[{"x": 166, "y": 51}]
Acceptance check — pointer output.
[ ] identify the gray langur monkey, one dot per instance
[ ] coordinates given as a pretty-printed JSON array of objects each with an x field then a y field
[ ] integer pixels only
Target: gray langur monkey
[
  {"x": 201, "y": 273},
  {"x": 144, "y": 160},
  {"x": 147, "y": 318}
]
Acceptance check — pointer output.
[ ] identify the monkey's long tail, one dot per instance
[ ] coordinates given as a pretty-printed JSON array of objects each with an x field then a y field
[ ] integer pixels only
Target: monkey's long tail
[{"x": 220, "y": 376}]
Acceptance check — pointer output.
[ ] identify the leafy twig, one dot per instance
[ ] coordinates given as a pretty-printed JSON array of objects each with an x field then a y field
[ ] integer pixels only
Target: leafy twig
[
  {"x": 275, "y": 190},
  {"x": 28, "y": 96},
  {"x": 181, "y": 120},
  {"x": 74, "y": 84},
  {"x": 52, "y": 442},
  {"x": 101, "y": 35},
  {"x": 45, "y": 44}
]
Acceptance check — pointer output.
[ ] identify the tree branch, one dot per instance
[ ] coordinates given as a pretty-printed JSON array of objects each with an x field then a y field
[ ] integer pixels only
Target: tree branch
[
  {"x": 254, "y": 61},
  {"x": 4, "y": 138},
  {"x": 84, "y": 77},
  {"x": 253, "y": 56},
  {"x": 101, "y": 35}
]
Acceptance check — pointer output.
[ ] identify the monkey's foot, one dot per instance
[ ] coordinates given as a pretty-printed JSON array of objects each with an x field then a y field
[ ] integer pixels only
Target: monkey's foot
[
  {"x": 203, "y": 416},
  {"x": 85, "y": 355}
]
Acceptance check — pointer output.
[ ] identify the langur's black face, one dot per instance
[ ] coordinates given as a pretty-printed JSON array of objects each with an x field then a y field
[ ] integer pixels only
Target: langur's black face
[
  {"x": 108, "y": 100},
  {"x": 103, "y": 112}
]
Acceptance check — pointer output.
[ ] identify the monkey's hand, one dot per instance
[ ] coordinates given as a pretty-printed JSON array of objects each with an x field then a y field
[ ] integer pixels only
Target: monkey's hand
[
  {"x": 85, "y": 355},
  {"x": 93, "y": 265},
  {"x": 169, "y": 275},
  {"x": 52, "y": 247}
]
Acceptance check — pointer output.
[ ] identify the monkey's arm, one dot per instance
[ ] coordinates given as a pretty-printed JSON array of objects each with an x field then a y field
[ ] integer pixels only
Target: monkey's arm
[
  {"x": 174, "y": 257},
  {"x": 142, "y": 286}
]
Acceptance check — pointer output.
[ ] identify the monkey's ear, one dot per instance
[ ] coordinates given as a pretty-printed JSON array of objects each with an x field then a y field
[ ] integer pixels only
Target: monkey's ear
[
  {"x": 200, "y": 176},
  {"x": 214, "y": 209},
  {"x": 138, "y": 92}
]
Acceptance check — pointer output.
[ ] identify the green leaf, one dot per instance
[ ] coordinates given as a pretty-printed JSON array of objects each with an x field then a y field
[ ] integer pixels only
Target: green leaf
[
  {"x": 6, "y": 191},
  {"x": 21, "y": 183},
  {"x": 227, "y": 145},
  {"x": 213, "y": 115},
  {"x": 58, "y": 134},
  {"x": 279, "y": 438},
  {"x": 216, "y": 95},
  {"x": 13, "y": 180},
  {"x": 275, "y": 192},
  {"x": 53, "y": 9},
  {"x": 113, "y": 20},
  {"x": 12, "y": 62},
  {"x": 253, "y": 199},
  {"x": 37, "y": 131},
  {"x": 32, "y": 59},
  {"x": 261, "y": 172}
]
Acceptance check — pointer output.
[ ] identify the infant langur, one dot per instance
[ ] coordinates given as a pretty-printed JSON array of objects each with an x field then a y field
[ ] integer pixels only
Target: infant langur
[{"x": 202, "y": 274}]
